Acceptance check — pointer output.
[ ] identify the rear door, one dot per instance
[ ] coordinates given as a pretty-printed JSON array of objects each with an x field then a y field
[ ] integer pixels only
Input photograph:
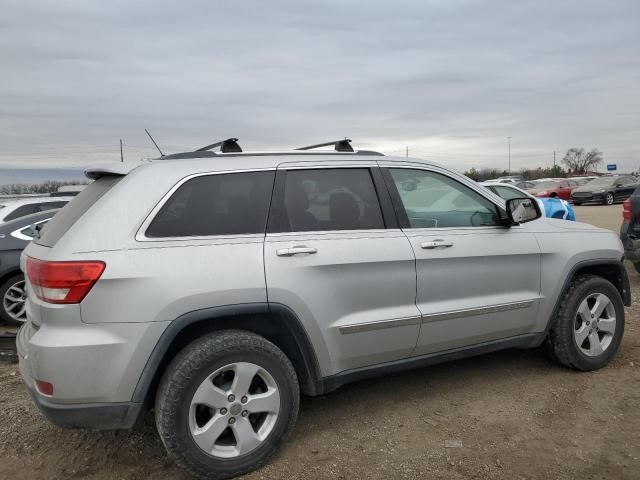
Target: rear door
[
  {"x": 626, "y": 188},
  {"x": 335, "y": 256},
  {"x": 478, "y": 281}
]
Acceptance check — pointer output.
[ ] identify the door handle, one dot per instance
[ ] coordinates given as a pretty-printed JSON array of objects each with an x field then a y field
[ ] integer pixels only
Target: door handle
[
  {"x": 436, "y": 244},
  {"x": 288, "y": 252}
]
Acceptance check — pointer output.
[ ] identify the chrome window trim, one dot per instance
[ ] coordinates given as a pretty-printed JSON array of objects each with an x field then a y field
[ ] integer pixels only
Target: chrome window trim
[
  {"x": 141, "y": 233},
  {"x": 21, "y": 236}
]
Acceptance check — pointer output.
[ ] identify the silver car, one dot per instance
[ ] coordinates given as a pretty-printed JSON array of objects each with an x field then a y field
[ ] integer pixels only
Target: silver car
[{"x": 216, "y": 287}]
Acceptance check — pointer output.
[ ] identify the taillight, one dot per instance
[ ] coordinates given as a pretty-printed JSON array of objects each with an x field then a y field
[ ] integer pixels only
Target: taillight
[
  {"x": 63, "y": 282},
  {"x": 626, "y": 211}
]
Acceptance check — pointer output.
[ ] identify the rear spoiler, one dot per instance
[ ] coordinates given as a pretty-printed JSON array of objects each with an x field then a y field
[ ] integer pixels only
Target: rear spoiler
[{"x": 118, "y": 169}]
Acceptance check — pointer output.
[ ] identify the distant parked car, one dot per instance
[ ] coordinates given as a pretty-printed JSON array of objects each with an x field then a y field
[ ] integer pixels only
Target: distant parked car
[
  {"x": 630, "y": 228},
  {"x": 526, "y": 185},
  {"x": 551, "y": 207},
  {"x": 583, "y": 180},
  {"x": 14, "y": 236},
  {"x": 554, "y": 188},
  {"x": 509, "y": 179},
  {"x": 12, "y": 209},
  {"x": 605, "y": 190}
]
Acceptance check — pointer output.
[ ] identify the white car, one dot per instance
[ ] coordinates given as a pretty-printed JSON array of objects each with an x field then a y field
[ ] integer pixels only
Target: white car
[{"x": 12, "y": 209}]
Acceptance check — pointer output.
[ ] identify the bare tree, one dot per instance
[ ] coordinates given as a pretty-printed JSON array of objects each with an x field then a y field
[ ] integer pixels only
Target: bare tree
[{"x": 579, "y": 161}]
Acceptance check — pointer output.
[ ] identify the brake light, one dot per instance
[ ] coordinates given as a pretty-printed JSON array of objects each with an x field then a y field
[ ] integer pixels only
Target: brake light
[
  {"x": 63, "y": 282},
  {"x": 626, "y": 211}
]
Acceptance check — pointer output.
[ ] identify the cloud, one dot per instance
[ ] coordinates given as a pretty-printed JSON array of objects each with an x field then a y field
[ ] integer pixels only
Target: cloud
[{"x": 450, "y": 79}]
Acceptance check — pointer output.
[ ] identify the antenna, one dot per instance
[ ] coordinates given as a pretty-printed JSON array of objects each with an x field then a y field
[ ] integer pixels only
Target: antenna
[
  {"x": 154, "y": 142},
  {"x": 121, "y": 155}
]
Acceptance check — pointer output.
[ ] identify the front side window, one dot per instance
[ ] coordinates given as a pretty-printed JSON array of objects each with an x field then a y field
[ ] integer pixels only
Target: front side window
[
  {"x": 330, "y": 199},
  {"x": 223, "y": 204},
  {"x": 432, "y": 200}
]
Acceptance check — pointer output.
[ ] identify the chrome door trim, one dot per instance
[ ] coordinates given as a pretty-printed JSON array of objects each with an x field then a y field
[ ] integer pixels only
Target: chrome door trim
[
  {"x": 434, "y": 317},
  {"x": 367, "y": 327},
  {"x": 471, "y": 312}
]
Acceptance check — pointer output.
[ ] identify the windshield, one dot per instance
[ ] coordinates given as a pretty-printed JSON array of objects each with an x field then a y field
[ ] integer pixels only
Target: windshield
[
  {"x": 547, "y": 184},
  {"x": 602, "y": 182}
]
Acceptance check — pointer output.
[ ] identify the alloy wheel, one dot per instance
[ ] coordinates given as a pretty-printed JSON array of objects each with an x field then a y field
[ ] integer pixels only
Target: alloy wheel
[
  {"x": 595, "y": 324},
  {"x": 609, "y": 199},
  {"x": 234, "y": 410},
  {"x": 14, "y": 301}
]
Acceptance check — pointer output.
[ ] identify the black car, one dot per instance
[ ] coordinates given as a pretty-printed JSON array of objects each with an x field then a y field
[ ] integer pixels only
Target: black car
[
  {"x": 630, "y": 229},
  {"x": 14, "y": 236},
  {"x": 606, "y": 190}
]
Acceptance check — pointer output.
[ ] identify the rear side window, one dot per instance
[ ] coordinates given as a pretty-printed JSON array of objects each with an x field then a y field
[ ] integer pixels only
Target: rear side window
[
  {"x": 330, "y": 199},
  {"x": 51, "y": 206},
  {"x": 22, "y": 211},
  {"x": 73, "y": 210},
  {"x": 221, "y": 204}
]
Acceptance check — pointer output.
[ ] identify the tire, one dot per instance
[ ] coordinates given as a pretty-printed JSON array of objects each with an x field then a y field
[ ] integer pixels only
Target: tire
[
  {"x": 11, "y": 311},
  {"x": 563, "y": 345},
  {"x": 637, "y": 266},
  {"x": 194, "y": 370},
  {"x": 608, "y": 199}
]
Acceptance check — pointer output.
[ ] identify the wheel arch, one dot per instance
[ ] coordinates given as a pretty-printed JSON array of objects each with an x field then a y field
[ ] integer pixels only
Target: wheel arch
[
  {"x": 609, "y": 269},
  {"x": 276, "y": 322}
]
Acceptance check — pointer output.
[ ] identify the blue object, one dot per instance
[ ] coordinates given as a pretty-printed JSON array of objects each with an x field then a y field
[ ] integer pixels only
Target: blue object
[
  {"x": 556, "y": 208},
  {"x": 611, "y": 167}
]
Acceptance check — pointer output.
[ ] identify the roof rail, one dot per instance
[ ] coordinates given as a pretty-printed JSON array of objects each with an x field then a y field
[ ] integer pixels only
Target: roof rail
[
  {"x": 338, "y": 145},
  {"x": 230, "y": 145}
]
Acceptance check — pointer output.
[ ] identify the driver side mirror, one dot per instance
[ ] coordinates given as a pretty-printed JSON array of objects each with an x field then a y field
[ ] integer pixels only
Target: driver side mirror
[{"x": 522, "y": 210}]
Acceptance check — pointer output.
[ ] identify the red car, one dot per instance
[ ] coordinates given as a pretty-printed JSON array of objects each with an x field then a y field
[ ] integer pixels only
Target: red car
[{"x": 554, "y": 188}]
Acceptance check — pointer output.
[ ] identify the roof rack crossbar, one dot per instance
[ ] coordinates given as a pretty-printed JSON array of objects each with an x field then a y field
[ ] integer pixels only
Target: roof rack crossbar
[
  {"x": 230, "y": 145},
  {"x": 338, "y": 145}
]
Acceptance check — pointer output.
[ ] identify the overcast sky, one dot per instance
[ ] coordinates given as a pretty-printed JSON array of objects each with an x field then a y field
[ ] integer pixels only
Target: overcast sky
[{"x": 450, "y": 79}]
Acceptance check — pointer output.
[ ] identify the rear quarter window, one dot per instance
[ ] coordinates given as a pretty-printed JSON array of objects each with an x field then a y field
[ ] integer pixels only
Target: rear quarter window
[
  {"x": 216, "y": 204},
  {"x": 73, "y": 210}
]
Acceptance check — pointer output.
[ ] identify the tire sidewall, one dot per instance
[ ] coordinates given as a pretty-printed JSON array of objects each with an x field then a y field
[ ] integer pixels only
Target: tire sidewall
[
  {"x": 193, "y": 455},
  {"x": 595, "y": 285}
]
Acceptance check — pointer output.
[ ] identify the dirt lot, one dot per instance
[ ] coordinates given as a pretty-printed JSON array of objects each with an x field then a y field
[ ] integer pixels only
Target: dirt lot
[{"x": 507, "y": 415}]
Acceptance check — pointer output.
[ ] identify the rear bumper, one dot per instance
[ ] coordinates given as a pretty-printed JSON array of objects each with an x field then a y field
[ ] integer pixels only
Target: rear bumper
[
  {"x": 631, "y": 244},
  {"x": 99, "y": 416}
]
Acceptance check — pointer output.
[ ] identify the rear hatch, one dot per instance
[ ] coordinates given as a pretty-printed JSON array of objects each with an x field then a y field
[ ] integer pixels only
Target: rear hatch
[{"x": 42, "y": 246}]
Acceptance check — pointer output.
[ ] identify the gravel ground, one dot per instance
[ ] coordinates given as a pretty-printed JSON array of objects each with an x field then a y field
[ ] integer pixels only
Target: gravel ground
[{"x": 507, "y": 415}]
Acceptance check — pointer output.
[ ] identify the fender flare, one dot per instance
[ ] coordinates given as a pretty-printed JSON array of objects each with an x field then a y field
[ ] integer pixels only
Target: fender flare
[
  {"x": 284, "y": 314},
  {"x": 624, "y": 288}
]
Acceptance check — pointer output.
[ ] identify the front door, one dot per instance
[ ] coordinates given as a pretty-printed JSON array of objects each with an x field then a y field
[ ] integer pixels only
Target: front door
[
  {"x": 477, "y": 280},
  {"x": 335, "y": 258}
]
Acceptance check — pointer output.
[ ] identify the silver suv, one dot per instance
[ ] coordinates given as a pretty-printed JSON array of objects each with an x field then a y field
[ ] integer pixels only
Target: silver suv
[{"x": 215, "y": 287}]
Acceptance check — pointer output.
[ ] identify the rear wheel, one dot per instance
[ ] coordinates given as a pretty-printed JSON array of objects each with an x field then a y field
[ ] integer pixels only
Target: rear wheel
[
  {"x": 588, "y": 329},
  {"x": 226, "y": 404},
  {"x": 637, "y": 266},
  {"x": 13, "y": 295},
  {"x": 608, "y": 199}
]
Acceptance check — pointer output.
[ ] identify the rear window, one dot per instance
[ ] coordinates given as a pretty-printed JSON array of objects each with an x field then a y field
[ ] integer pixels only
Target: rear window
[
  {"x": 72, "y": 211},
  {"x": 221, "y": 204}
]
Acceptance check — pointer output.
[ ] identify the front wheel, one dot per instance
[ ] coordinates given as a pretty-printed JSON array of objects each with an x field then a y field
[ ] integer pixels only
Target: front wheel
[
  {"x": 588, "y": 329},
  {"x": 226, "y": 404},
  {"x": 608, "y": 199}
]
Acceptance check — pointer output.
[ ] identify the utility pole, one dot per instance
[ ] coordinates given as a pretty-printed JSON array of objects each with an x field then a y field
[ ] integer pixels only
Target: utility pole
[
  {"x": 509, "y": 154},
  {"x": 121, "y": 155},
  {"x": 554, "y": 160},
  {"x": 407, "y": 151}
]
